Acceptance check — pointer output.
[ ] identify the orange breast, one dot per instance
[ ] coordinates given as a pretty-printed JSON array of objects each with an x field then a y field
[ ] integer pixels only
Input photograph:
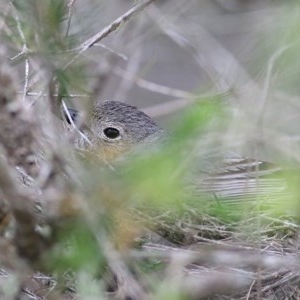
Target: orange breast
[{"x": 109, "y": 152}]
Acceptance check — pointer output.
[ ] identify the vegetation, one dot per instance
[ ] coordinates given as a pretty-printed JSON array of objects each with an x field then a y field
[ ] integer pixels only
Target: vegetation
[{"x": 208, "y": 212}]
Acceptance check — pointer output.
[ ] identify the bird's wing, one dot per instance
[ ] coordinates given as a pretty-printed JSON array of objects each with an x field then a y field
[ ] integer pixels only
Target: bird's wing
[{"x": 241, "y": 179}]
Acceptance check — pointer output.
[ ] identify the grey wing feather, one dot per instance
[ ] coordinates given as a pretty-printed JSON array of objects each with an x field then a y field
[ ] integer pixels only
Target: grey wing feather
[{"x": 245, "y": 179}]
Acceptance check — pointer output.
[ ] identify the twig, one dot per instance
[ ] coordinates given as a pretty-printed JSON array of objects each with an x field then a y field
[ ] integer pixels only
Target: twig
[
  {"x": 154, "y": 87},
  {"x": 35, "y": 94},
  {"x": 119, "y": 54},
  {"x": 128, "y": 286},
  {"x": 24, "y": 51},
  {"x": 174, "y": 105},
  {"x": 108, "y": 29},
  {"x": 250, "y": 289},
  {"x": 70, "y": 7},
  {"x": 224, "y": 73},
  {"x": 73, "y": 124},
  {"x": 266, "y": 87}
]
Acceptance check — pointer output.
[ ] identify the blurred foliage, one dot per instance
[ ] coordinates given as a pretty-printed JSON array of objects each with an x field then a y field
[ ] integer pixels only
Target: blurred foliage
[
  {"x": 155, "y": 190},
  {"x": 77, "y": 250},
  {"x": 285, "y": 43},
  {"x": 42, "y": 27},
  {"x": 159, "y": 178},
  {"x": 43, "y": 23}
]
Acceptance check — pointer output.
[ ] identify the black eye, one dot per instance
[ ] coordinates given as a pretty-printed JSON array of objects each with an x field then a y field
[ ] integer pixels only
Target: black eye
[{"x": 111, "y": 132}]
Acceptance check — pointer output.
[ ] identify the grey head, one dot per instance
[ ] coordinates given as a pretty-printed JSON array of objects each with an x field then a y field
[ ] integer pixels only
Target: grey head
[{"x": 115, "y": 128}]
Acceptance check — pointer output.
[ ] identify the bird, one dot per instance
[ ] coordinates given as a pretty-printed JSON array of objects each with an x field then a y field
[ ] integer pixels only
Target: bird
[{"x": 116, "y": 128}]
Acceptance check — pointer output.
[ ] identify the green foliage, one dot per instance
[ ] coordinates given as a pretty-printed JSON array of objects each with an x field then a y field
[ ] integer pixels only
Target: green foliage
[
  {"x": 151, "y": 265},
  {"x": 159, "y": 179},
  {"x": 169, "y": 292},
  {"x": 77, "y": 250},
  {"x": 40, "y": 29},
  {"x": 43, "y": 24},
  {"x": 197, "y": 119}
]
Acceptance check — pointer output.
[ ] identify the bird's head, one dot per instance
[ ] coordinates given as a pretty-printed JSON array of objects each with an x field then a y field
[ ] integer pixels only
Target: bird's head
[{"x": 115, "y": 129}]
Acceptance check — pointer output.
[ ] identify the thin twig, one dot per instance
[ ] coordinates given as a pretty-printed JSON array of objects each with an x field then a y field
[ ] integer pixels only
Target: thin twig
[
  {"x": 154, "y": 87},
  {"x": 35, "y": 94},
  {"x": 108, "y": 29},
  {"x": 70, "y": 7},
  {"x": 119, "y": 54},
  {"x": 174, "y": 105},
  {"x": 73, "y": 124},
  {"x": 24, "y": 51},
  {"x": 266, "y": 87}
]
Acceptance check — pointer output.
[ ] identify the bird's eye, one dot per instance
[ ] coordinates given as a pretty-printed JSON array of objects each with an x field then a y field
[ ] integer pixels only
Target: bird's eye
[{"x": 111, "y": 132}]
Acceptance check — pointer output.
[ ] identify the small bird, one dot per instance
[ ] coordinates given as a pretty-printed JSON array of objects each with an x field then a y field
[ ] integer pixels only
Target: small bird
[{"x": 115, "y": 129}]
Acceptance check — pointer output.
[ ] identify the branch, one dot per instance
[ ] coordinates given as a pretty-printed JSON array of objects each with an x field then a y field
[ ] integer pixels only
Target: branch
[{"x": 108, "y": 29}]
